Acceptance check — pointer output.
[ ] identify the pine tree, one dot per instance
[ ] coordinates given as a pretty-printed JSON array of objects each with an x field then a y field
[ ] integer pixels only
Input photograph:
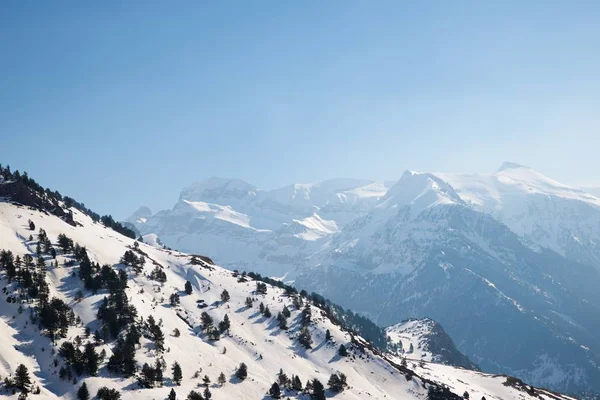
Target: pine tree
[
  {"x": 83, "y": 393},
  {"x": 267, "y": 312},
  {"x": 242, "y": 372},
  {"x": 172, "y": 395},
  {"x": 275, "y": 391},
  {"x": 248, "y": 302},
  {"x": 304, "y": 338},
  {"x": 22, "y": 380},
  {"x": 206, "y": 320},
  {"x": 296, "y": 383},
  {"x": 177, "y": 374},
  {"x": 225, "y": 325},
  {"x": 193, "y": 395},
  {"x": 206, "y": 380},
  {"x": 222, "y": 379},
  {"x": 342, "y": 351},
  {"x": 328, "y": 335},
  {"x": 158, "y": 372},
  {"x": 261, "y": 308},
  {"x": 225, "y": 296},
  {"x": 282, "y": 378},
  {"x": 337, "y": 383},
  {"x": 31, "y": 225},
  {"x": 282, "y": 322},
  {"x": 207, "y": 394},
  {"x": 318, "y": 392},
  {"x": 286, "y": 312},
  {"x": 188, "y": 287},
  {"x": 92, "y": 359}
]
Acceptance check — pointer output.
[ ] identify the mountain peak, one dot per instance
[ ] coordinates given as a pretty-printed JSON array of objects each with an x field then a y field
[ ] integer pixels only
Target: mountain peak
[
  {"x": 420, "y": 190},
  {"x": 510, "y": 165}
]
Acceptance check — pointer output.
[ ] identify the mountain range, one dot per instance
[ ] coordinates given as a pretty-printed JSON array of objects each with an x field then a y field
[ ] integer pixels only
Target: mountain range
[
  {"x": 89, "y": 310},
  {"x": 508, "y": 263}
]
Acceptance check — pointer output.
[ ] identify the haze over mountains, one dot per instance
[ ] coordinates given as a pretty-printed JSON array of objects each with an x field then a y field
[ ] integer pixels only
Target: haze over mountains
[{"x": 507, "y": 262}]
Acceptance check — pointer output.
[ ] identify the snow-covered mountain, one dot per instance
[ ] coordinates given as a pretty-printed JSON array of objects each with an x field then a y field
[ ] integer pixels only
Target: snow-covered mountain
[
  {"x": 539, "y": 209},
  {"x": 84, "y": 304},
  {"x": 510, "y": 306},
  {"x": 497, "y": 259},
  {"x": 425, "y": 340}
]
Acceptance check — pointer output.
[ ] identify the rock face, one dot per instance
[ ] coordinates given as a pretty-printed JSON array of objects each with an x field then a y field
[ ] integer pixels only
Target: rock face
[{"x": 507, "y": 262}]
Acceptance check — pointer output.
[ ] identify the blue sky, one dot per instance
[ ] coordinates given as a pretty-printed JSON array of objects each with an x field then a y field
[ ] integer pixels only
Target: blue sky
[{"x": 123, "y": 103}]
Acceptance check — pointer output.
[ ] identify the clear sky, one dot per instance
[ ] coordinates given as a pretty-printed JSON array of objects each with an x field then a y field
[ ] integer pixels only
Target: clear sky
[{"x": 123, "y": 103}]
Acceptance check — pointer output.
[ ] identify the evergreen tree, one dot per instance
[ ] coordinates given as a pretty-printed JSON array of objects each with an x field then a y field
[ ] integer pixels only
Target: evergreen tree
[
  {"x": 296, "y": 383},
  {"x": 193, "y": 395},
  {"x": 225, "y": 325},
  {"x": 342, "y": 351},
  {"x": 248, "y": 302},
  {"x": 261, "y": 308},
  {"x": 22, "y": 380},
  {"x": 206, "y": 320},
  {"x": 147, "y": 376},
  {"x": 267, "y": 312},
  {"x": 282, "y": 322},
  {"x": 31, "y": 225},
  {"x": 92, "y": 359},
  {"x": 318, "y": 392},
  {"x": 158, "y": 372},
  {"x": 83, "y": 393},
  {"x": 275, "y": 391},
  {"x": 222, "y": 379},
  {"x": 286, "y": 312},
  {"x": 225, "y": 296},
  {"x": 188, "y": 287},
  {"x": 337, "y": 383},
  {"x": 328, "y": 335},
  {"x": 304, "y": 338},
  {"x": 242, "y": 372},
  {"x": 306, "y": 315},
  {"x": 207, "y": 394},
  {"x": 174, "y": 299},
  {"x": 206, "y": 380},
  {"x": 282, "y": 378},
  {"x": 177, "y": 373},
  {"x": 172, "y": 395},
  {"x": 105, "y": 393}
]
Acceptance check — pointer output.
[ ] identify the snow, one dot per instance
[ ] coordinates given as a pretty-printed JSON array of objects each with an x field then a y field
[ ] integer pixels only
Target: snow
[
  {"x": 316, "y": 227},
  {"x": 413, "y": 333}
]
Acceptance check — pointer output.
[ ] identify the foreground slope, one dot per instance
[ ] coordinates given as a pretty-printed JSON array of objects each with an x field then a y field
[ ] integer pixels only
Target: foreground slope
[{"x": 254, "y": 338}]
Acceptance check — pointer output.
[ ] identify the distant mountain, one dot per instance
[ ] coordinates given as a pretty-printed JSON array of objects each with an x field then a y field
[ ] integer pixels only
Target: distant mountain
[
  {"x": 507, "y": 262},
  {"x": 539, "y": 209}
]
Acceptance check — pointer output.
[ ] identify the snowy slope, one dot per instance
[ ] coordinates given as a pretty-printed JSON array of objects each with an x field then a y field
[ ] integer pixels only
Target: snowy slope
[
  {"x": 425, "y": 340},
  {"x": 254, "y": 339},
  {"x": 541, "y": 210}
]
